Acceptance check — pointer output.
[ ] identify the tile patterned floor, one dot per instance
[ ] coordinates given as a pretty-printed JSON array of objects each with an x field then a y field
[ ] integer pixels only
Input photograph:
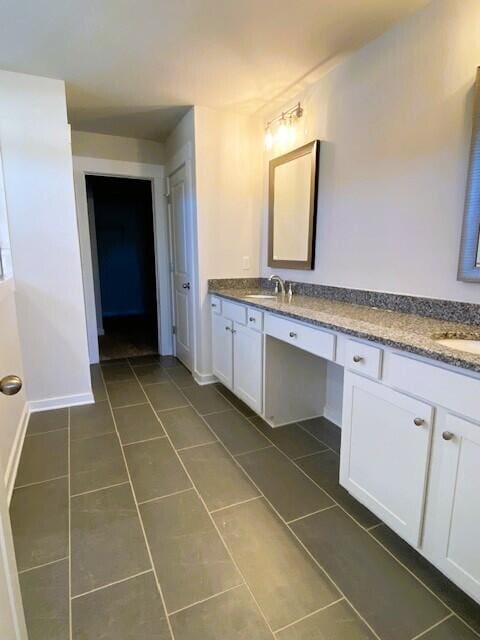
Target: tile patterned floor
[{"x": 169, "y": 511}]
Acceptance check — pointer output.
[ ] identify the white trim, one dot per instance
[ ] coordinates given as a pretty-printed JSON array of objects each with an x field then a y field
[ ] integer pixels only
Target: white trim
[
  {"x": 61, "y": 402},
  {"x": 83, "y": 166},
  {"x": 7, "y": 287},
  {"x": 14, "y": 458},
  {"x": 204, "y": 378}
]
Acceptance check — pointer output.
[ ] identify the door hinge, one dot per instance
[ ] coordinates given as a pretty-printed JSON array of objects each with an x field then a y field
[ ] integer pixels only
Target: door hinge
[{"x": 174, "y": 330}]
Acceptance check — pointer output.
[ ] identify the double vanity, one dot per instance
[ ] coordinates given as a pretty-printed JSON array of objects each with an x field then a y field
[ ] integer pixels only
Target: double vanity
[{"x": 407, "y": 401}]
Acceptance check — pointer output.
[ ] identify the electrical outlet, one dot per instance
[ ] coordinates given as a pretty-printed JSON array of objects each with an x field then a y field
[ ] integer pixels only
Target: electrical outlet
[{"x": 246, "y": 263}]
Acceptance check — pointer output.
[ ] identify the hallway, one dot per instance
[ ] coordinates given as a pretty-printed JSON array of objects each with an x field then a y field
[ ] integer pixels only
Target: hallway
[{"x": 237, "y": 531}]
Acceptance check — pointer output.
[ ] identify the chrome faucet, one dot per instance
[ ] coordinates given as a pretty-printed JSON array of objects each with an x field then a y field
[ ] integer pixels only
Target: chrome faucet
[{"x": 278, "y": 281}]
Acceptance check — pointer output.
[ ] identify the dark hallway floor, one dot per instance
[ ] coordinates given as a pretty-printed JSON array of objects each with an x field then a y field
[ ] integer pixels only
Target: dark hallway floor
[
  {"x": 128, "y": 337},
  {"x": 169, "y": 510}
]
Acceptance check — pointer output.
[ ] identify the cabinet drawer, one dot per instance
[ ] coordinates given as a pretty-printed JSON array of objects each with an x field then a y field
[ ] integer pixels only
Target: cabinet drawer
[
  {"x": 255, "y": 319},
  {"x": 216, "y": 304},
  {"x": 363, "y": 358},
  {"x": 316, "y": 341},
  {"x": 235, "y": 312}
]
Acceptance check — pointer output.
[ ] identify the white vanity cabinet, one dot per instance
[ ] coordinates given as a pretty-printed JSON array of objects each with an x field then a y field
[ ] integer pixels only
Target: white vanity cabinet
[
  {"x": 237, "y": 352},
  {"x": 386, "y": 439}
]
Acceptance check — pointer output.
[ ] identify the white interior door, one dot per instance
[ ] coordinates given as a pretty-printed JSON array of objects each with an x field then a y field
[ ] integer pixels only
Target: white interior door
[{"x": 182, "y": 266}]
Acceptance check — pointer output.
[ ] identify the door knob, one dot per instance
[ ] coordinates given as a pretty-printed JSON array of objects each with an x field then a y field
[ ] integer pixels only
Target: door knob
[
  {"x": 186, "y": 285},
  {"x": 10, "y": 385},
  {"x": 448, "y": 435}
]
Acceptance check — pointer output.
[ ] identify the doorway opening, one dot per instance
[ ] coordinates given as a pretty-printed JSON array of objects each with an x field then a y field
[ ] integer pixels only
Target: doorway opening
[{"x": 120, "y": 212}]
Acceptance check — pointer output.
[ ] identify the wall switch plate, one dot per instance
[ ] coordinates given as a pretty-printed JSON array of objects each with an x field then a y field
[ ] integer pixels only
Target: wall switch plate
[{"x": 246, "y": 263}]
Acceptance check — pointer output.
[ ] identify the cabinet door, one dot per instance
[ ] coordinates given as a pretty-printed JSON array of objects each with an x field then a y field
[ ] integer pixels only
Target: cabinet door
[
  {"x": 222, "y": 349},
  {"x": 386, "y": 440},
  {"x": 458, "y": 521},
  {"x": 248, "y": 366}
]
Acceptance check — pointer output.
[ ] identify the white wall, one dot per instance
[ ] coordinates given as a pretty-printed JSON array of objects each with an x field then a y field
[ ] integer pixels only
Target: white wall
[
  {"x": 395, "y": 121},
  {"x": 99, "y": 145},
  {"x": 37, "y": 163}
]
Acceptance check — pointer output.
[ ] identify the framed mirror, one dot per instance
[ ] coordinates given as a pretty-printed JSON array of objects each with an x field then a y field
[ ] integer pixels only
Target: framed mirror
[
  {"x": 292, "y": 203},
  {"x": 469, "y": 263}
]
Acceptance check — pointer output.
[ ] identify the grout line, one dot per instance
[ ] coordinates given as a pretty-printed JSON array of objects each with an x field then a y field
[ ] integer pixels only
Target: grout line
[
  {"x": 235, "y": 504},
  {"x": 214, "y": 413},
  {"x": 124, "y": 406},
  {"x": 328, "y": 447},
  {"x": 331, "y": 506},
  {"x": 167, "y": 495},
  {"x": 309, "y": 455},
  {"x": 39, "y": 566},
  {"x": 149, "y": 551},
  {"x": 70, "y": 618},
  {"x": 110, "y": 486},
  {"x": 111, "y": 584},
  {"x": 43, "y": 433},
  {"x": 196, "y": 446},
  {"x": 374, "y": 526},
  {"x": 129, "y": 444},
  {"x": 215, "y": 595},
  {"x": 433, "y": 626},
  {"x": 212, "y": 519},
  {"x": 245, "y": 453},
  {"x": 34, "y": 484},
  {"x": 309, "y": 615}
]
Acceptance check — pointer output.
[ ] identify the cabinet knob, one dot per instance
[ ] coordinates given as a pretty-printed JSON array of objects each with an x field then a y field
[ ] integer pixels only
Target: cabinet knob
[
  {"x": 251, "y": 319},
  {"x": 227, "y": 329},
  {"x": 214, "y": 305},
  {"x": 357, "y": 358},
  {"x": 418, "y": 422},
  {"x": 292, "y": 334},
  {"x": 448, "y": 435}
]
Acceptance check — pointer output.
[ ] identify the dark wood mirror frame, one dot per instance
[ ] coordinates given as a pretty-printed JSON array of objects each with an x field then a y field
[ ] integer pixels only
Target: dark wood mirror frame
[{"x": 312, "y": 149}]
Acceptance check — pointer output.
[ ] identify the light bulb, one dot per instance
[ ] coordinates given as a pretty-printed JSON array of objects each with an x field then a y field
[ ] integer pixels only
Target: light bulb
[
  {"x": 268, "y": 139},
  {"x": 282, "y": 132}
]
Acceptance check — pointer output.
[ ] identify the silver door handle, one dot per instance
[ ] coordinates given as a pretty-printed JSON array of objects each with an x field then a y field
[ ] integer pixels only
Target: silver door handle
[
  {"x": 186, "y": 285},
  {"x": 10, "y": 385}
]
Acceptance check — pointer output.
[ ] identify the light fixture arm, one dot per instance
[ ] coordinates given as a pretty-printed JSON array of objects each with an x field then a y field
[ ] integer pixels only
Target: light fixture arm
[{"x": 295, "y": 112}]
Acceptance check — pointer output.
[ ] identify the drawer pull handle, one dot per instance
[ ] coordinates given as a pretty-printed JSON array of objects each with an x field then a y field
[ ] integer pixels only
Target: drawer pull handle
[
  {"x": 448, "y": 435},
  {"x": 418, "y": 422},
  {"x": 251, "y": 319},
  {"x": 292, "y": 334},
  {"x": 357, "y": 359}
]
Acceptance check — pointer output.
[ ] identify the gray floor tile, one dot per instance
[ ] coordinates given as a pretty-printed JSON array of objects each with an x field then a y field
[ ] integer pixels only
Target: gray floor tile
[
  {"x": 291, "y": 493},
  {"x": 236, "y": 432},
  {"x": 218, "y": 478},
  {"x": 451, "y": 629},
  {"x": 130, "y": 610},
  {"x": 138, "y": 361},
  {"x": 39, "y": 516},
  {"x": 91, "y": 420},
  {"x": 185, "y": 427},
  {"x": 233, "y": 399},
  {"x": 137, "y": 423},
  {"x": 45, "y": 597},
  {"x": 117, "y": 373},
  {"x": 197, "y": 567},
  {"x": 324, "y": 469},
  {"x": 107, "y": 539},
  {"x": 44, "y": 456},
  {"x": 181, "y": 376},
  {"x": 95, "y": 463},
  {"x": 291, "y": 439},
  {"x": 229, "y": 616},
  {"x": 165, "y": 395},
  {"x": 284, "y": 580},
  {"x": 338, "y": 622},
  {"x": 206, "y": 399},
  {"x": 325, "y": 431},
  {"x": 449, "y": 593},
  {"x": 155, "y": 469},
  {"x": 106, "y": 362},
  {"x": 42, "y": 421},
  {"x": 383, "y": 592},
  {"x": 151, "y": 373},
  {"x": 122, "y": 394},
  {"x": 98, "y": 385},
  {"x": 169, "y": 361}
]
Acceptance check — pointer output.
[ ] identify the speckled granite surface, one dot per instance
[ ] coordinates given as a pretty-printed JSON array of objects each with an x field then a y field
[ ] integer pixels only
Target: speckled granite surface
[{"x": 409, "y": 332}]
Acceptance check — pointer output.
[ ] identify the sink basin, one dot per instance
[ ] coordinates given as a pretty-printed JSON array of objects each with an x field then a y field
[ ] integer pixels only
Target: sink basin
[
  {"x": 461, "y": 344},
  {"x": 261, "y": 296}
]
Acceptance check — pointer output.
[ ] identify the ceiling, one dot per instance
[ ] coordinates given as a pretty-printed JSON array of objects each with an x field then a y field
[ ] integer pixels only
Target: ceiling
[{"x": 132, "y": 67}]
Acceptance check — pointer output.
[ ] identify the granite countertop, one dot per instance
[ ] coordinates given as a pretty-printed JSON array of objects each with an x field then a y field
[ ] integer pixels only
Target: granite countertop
[{"x": 406, "y": 331}]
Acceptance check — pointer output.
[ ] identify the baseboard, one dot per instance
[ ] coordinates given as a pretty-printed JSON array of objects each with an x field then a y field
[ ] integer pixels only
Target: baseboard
[
  {"x": 14, "y": 458},
  {"x": 204, "y": 378},
  {"x": 61, "y": 402},
  {"x": 334, "y": 416}
]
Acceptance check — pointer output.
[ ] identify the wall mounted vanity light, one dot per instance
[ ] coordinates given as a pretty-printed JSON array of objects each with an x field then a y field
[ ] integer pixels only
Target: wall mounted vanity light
[{"x": 281, "y": 129}]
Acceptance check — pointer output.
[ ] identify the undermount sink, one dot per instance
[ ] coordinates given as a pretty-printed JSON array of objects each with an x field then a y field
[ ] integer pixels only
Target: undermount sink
[
  {"x": 461, "y": 344},
  {"x": 260, "y": 296}
]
